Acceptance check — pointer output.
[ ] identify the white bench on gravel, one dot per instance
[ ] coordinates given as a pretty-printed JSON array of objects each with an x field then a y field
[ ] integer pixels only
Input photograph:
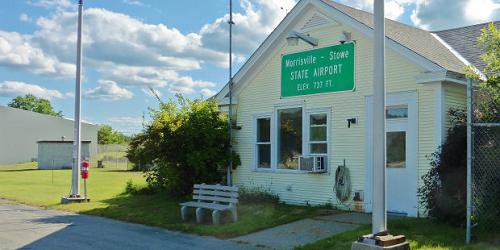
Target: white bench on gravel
[{"x": 213, "y": 197}]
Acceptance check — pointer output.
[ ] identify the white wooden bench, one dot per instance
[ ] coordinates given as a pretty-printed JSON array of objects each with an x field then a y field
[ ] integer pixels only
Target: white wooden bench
[{"x": 214, "y": 197}]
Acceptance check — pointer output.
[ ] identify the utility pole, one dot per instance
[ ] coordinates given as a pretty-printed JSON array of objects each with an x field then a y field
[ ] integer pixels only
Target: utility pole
[
  {"x": 75, "y": 173},
  {"x": 230, "y": 113}
]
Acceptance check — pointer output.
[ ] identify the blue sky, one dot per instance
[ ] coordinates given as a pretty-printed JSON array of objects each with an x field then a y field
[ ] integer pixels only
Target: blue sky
[{"x": 172, "y": 46}]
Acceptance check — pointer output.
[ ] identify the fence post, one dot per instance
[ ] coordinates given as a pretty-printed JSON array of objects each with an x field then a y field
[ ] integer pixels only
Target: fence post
[{"x": 470, "y": 113}]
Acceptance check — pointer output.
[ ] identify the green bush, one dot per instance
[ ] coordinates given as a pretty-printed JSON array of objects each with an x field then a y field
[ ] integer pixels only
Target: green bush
[
  {"x": 444, "y": 194},
  {"x": 187, "y": 142},
  {"x": 136, "y": 153}
]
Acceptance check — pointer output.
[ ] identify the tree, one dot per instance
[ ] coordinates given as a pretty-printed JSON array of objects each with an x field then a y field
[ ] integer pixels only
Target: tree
[
  {"x": 488, "y": 105},
  {"x": 107, "y": 135},
  {"x": 444, "y": 191},
  {"x": 187, "y": 142},
  {"x": 32, "y": 103}
]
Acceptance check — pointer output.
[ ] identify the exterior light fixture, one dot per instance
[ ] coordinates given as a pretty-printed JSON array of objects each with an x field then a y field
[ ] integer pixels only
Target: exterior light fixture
[
  {"x": 344, "y": 37},
  {"x": 294, "y": 37}
]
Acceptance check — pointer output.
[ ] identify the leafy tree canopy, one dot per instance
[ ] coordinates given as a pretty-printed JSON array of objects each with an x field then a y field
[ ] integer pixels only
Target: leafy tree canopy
[
  {"x": 107, "y": 135},
  {"x": 187, "y": 142},
  {"x": 32, "y": 103}
]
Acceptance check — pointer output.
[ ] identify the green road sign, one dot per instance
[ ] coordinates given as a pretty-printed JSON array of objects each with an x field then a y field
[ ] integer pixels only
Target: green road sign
[{"x": 329, "y": 69}]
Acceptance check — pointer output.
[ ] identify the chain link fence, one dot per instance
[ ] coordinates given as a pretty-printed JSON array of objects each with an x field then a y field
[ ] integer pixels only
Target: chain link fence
[
  {"x": 112, "y": 156},
  {"x": 484, "y": 163}
]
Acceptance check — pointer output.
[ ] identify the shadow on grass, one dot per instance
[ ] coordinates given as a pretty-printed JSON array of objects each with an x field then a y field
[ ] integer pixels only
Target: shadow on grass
[
  {"x": 162, "y": 210},
  {"x": 118, "y": 170},
  {"x": 20, "y": 170}
]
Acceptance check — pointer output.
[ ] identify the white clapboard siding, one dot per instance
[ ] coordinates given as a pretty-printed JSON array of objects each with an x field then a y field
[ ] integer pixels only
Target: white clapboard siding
[{"x": 263, "y": 93}]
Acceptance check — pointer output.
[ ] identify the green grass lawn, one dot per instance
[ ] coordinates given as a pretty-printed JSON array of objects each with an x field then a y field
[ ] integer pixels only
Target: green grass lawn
[
  {"x": 23, "y": 183},
  {"x": 421, "y": 234}
]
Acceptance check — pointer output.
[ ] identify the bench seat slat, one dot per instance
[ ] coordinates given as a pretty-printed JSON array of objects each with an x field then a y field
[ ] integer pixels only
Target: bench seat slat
[
  {"x": 216, "y": 193},
  {"x": 215, "y": 198},
  {"x": 216, "y": 187},
  {"x": 213, "y": 206}
]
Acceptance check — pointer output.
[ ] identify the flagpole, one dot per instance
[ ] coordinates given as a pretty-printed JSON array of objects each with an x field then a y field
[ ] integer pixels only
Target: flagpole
[
  {"x": 75, "y": 178},
  {"x": 379, "y": 214},
  {"x": 230, "y": 166}
]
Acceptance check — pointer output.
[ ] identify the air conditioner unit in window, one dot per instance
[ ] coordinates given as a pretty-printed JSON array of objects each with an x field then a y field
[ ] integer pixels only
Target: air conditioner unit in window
[{"x": 313, "y": 164}]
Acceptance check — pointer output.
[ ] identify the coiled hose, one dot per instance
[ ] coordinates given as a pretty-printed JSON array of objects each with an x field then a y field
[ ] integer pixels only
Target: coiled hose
[{"x": 342, "y": 186}]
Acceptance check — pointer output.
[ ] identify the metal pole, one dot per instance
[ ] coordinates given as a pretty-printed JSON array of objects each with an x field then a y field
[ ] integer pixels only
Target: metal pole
[
  {"x": 85, "y": 188},
  {"x": 379, "y": 216},
  {"x": 75, "y": 183},
  {"x": 469, "y": 159},
  {"x": 230, "y": 166}
]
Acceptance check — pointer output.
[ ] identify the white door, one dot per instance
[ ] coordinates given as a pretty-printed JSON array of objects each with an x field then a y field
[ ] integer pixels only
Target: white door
[
  {"x": 401, "y": 153},
  {"x": 398, "y": 195}
]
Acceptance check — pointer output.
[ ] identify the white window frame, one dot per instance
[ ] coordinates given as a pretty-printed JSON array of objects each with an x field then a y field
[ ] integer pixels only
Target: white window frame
[
  {"x": 306, "y": 113},
  {"x": 318, "y": 111},
  {"x": 256, "y": 142}
]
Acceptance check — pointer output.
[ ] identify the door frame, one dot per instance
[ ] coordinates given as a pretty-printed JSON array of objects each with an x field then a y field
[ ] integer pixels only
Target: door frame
[{"x": 408, "y": 98}]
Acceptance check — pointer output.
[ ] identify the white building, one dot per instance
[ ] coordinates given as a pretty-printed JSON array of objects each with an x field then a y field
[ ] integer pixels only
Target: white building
[
  {"x": 295, "y": 102},
  {"x": 20, "y": 130},
  {"x": 59, "y": 154}
]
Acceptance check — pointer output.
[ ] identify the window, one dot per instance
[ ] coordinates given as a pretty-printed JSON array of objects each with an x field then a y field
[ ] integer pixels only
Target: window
[
  {"x": 263, "y": 143},
  {"x": 289, "y": 138},
  {"x": 396, "y": 112},
  {"x": 396, "y": 149},
  {"x": 318, "y": 130}
]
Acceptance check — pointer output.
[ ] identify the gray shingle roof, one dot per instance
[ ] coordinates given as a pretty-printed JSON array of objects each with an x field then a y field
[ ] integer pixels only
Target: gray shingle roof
[
  {"x": 464, "y": 41},
  {"x": 420, "y": 41}
]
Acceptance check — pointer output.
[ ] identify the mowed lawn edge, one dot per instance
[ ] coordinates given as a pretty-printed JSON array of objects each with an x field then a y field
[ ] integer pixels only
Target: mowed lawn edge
[
  {"x": 421, "y": 233},
  {"x": 23, "y": 183}
]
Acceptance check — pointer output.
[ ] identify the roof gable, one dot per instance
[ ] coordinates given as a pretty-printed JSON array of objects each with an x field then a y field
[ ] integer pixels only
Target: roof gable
[
  {"x": 418, "y": 45},
  {"x": 420, "y": 41}
]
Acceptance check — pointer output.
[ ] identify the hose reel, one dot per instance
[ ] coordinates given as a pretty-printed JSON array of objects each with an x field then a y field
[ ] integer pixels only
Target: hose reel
[{"x": 342, "y": 188}]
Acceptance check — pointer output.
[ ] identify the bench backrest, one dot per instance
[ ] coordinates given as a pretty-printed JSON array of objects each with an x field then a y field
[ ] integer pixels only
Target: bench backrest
[{"x": 215, "y": 193}]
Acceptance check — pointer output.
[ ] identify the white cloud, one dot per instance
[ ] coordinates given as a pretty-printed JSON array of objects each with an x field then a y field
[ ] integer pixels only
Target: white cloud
[
  {"x": 133, "y": 120},
  {"x": 126, "y": 124},
  {"x": 155, "y": 77},
  {"x": 481, "y": 10},
  {"x": 59, "y": 5},
  {"x": 394, "y": 9},
  {"x": 129, "y": 51},
  {"x": 208, "y": 92},
  {"x": 133, "y": 2},
  {"x": 260, "y": 17},
  {"x": 25, "y": 18},
  {"x": 108, "y": 91},
  {"x": 456, "y": 13},
  {"x": 120, "y": 39},
  {"x": 17, "y": 52},
  {"x": 14, "y": 88}
]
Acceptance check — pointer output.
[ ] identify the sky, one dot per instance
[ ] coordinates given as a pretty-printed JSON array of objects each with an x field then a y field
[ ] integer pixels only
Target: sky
[{"x": 130, "y": 46}]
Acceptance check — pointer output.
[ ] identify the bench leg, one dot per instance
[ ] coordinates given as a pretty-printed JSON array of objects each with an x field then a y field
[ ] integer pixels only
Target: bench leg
[
  {"x": 234, "y": 213},
  {"x": 199, "y": 215},
  {"x": 216, "y": 217},
  {"x": 184, "y": 211}
]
